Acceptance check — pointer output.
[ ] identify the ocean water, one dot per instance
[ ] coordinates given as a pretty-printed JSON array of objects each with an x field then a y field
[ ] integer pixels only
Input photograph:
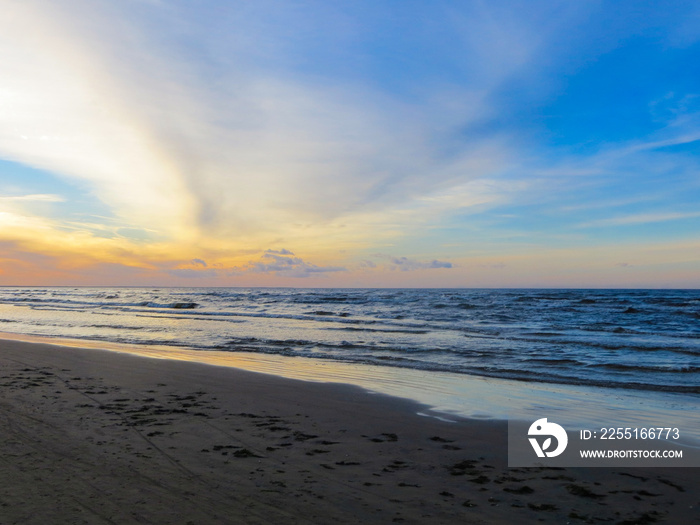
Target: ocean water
[{"x": 626, "y": 339}]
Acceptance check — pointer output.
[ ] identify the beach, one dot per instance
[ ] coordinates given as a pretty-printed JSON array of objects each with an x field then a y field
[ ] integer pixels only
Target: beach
[
  {"x": 306, "y": 262},
  {"x": 95, "y": 436}
]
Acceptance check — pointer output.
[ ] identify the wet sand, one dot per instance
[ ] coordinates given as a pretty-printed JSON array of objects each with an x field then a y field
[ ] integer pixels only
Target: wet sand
[{"x": 91, "y": 436}]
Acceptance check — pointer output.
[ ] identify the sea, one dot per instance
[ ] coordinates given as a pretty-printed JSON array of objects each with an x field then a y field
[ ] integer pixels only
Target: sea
[{"x": 636, "y": 340}]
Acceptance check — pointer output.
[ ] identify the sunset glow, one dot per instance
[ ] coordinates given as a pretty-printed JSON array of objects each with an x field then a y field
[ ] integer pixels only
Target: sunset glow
[{"x": 370, "y": 144}]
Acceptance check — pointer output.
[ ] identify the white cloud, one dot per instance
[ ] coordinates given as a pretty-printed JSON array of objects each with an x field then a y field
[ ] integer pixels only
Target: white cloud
[
  {"x": 640, "y": 218},
  {"x": 36, "y": 197},
  {"x": 63, "y": 111},
  {"x": 180, "y": 138}
]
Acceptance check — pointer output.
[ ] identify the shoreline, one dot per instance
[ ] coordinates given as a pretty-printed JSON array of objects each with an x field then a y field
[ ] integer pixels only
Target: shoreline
[
  {"x": 443, "y": 394},
  {"x": 107, "y": 437}
]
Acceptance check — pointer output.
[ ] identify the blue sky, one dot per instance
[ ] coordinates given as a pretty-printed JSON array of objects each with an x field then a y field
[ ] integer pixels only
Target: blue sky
[{"x": 354, "y": 143}]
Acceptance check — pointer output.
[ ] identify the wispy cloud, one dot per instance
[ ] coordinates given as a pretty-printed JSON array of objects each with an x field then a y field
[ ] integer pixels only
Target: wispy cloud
[
  {"x": 642, "y": 218},
  {"x": 210, "y": 131},
  {"x": 39, "y": 197},
  {"x": 64, "y": 111},
  {"x": 258, "y": 151}
]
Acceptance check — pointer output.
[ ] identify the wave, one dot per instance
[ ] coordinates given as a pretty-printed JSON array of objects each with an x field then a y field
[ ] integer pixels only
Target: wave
[
  {"x": 484, "y": 371},
  {"x": 676, "y": 369},
  {"x": 127, "y": 327},
  {"x": 545, "y": 334},
  {"x": 73, "y": 304},
  {"x": 379, "y": 330},
  {"x": 529, "y": 335},
  {"x": 175, "y": 306},
  {"x": 623, "y": 345},
  {"x": 545, "y": 361}
]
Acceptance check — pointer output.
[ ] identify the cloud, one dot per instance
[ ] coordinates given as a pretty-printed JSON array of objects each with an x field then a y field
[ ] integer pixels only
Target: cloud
[
  {"x": 65, "y": 111},
  {"x": 281, "y": 263},
  {"x": 218, "y": 129},
  {"x": 405, "y": 264},
  {"x": 222, "y": 138},
  {"x": 288, "y": 266},
  {"x": 641, "y": 218},
  {"x": 40, "y": 197}
]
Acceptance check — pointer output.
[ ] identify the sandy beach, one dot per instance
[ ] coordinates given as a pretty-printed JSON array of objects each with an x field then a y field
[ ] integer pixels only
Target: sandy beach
[{"x": 92, "y": 436}]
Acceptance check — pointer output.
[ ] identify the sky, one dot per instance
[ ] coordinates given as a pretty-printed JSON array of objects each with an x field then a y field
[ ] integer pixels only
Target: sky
[{"x": 357, "y": 143}]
